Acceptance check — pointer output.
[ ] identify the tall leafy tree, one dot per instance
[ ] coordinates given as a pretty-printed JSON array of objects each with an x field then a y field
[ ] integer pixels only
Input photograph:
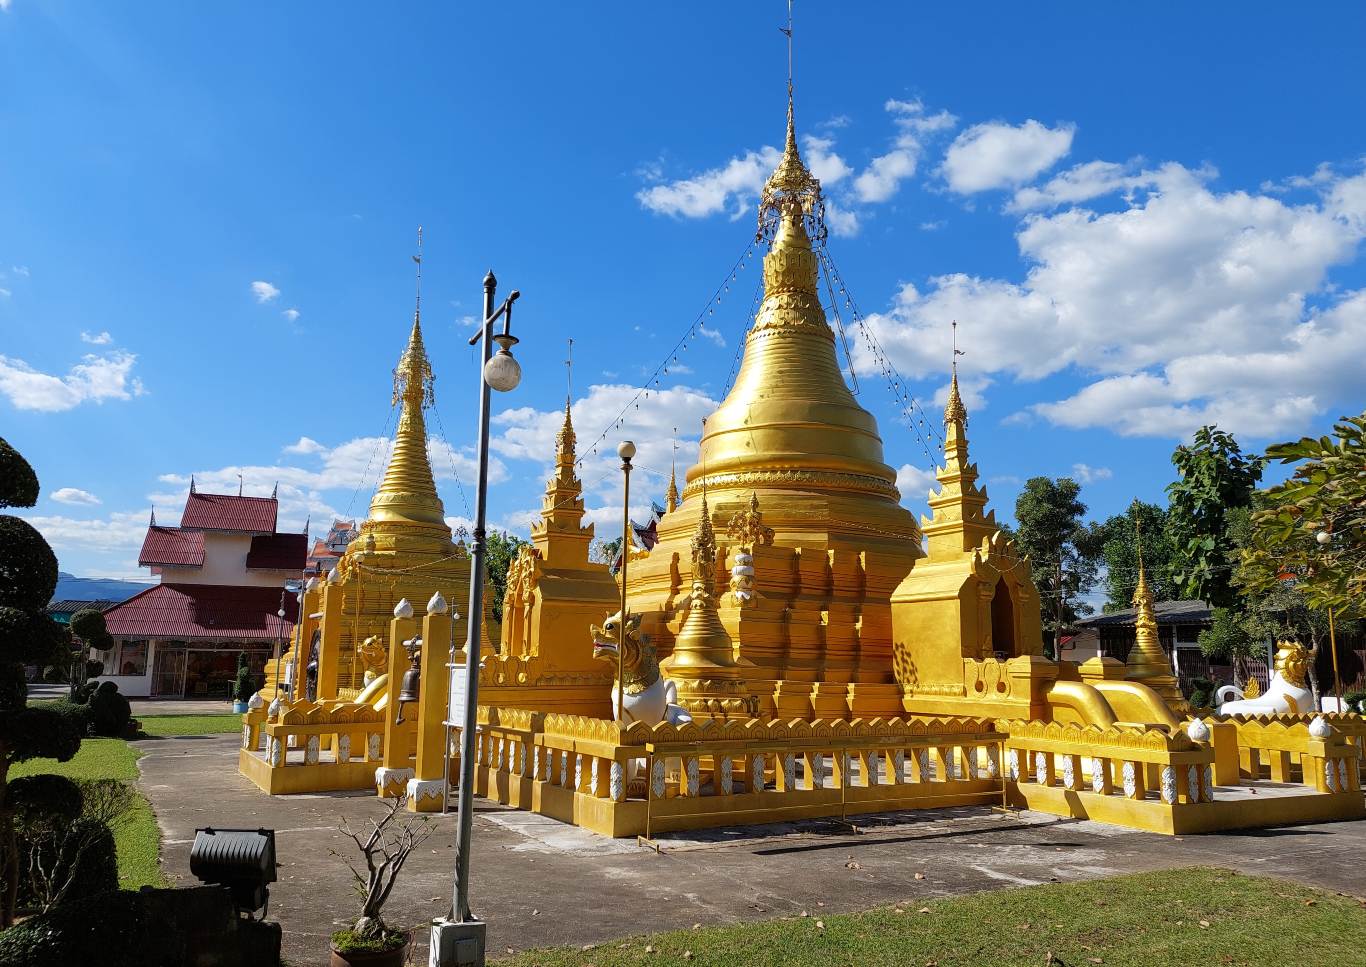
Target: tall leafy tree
[
  {"x": 1062, "y": 550},
  {"x": 28, "y": 576},
  {"x": 1214, "y": 477},
  {"x": 1312, "y": 528},
  {"x": 1120, "y": 538},
  {"x": 501, "y": 549}
]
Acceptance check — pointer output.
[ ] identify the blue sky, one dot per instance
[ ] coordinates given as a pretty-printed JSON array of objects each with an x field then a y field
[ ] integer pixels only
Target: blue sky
[{"x": 1140, "y": 222}]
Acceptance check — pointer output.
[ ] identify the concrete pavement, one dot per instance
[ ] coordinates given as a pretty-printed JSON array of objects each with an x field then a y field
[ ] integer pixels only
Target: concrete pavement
[{"x": 538, "y": 882}]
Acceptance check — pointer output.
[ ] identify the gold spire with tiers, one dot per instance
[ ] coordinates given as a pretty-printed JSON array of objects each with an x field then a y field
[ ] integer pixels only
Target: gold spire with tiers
[
  {"x": 1147, "y": 662},
  {"x": 791, "y": 433},
  {"x": 703, "y": 666},
  {"x": 407, "y": 494}
]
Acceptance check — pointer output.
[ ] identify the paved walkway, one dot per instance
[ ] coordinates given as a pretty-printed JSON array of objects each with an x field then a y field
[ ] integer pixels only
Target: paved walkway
[
  {"x": 42, "y": 691},
  {"x": 539, "y": 882}
]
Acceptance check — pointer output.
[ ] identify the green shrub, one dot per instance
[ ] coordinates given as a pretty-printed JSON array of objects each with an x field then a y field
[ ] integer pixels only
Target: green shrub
[
  {"x": 116, "y": 930},
  {"x": 13, "y": 686},
  {"x": 64, "y": 863},
  {"x": 1355, "y": 701},
  {"x": 76, "y": 713},
  {"x": 34, "y": 732},
  {"x": 18, "y": 482},
  {"x": 1202, "y": 692},
  {"x": 28, "y": 568},
  {"x": 44, "y": 801},
  {"x": 350, "y": 942},
  {"x": 244, "y": 686},
  {"x": 109, "y": 711}
]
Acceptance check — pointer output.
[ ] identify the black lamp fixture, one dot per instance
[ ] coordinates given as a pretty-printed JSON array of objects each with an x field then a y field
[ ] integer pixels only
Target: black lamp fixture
[{"x": 242, "y": 860}]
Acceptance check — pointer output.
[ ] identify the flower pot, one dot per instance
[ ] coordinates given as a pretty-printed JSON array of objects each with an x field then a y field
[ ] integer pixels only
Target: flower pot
[
  {"x": 239, "y": 707},
  {"x": 386, "y": 958}
]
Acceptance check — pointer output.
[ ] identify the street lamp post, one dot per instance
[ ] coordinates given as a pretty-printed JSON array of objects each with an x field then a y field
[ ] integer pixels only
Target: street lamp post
[
  {"x": 626, "y": 451},
  {"x": 459, "y": 940}
]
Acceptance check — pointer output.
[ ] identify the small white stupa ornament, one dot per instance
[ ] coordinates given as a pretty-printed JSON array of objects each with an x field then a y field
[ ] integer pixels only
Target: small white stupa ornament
[
  {"x": 403, "y": 609},
  {"x": 437, "y": 605},
  {"x": 1319, "y": 727},
  {"x": 1198, "y": 731}
]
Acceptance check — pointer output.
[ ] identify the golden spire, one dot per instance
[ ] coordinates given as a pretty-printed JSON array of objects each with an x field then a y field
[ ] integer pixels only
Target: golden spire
[
  {"x": 1147, "y": 662},
  {"x": 562, "y": 512},
  {"x": 704, "y": 553},
  {"x": 671, "y": 496},
  {"x": 954, "y": 410},
  {"x": 960, "y": 519},
  {"x": 407, "y": 494}
]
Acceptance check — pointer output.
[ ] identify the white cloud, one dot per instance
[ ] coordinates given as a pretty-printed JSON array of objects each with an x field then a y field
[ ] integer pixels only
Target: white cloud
[
  {"x": 264, "y": 291},
  {"x": 1097, "y": 178},
  {"x": 1188, "y": 306},
  {"x": 5, "y": 293},
  {"x": 305, "y": 445},
  {"x": 529, "y": 434},
  {"x": 732, "y": 187},
  {"x": 884, "y": 174},
  {"x": 1082, "y": 473},
  {"x": 998, "y": 155},
  {"x": 291, "y": 314},
  {"x": 5, "y": 5},
  {"x": 119, "y": 532},
  {"x": 713, "y": 334},
  {"x": 97, "y": 339},
  {"x": 73, "y": 495},
  {"x": 94, "y": 379},
  {"x": 20, "y": 270},
  {"x": 915, "y": 483},
  {"x": 735, "y": 186}
]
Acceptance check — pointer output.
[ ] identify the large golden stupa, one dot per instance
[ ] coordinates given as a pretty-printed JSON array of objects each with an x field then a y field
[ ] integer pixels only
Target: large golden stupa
[{"x": 816, "y": 639}]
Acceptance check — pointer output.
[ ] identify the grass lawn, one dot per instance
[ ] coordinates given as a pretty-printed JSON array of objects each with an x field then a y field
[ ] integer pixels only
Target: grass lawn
[
  {"x": 1194, "y": 916},
  {"x": 136, "y": 835},
  {"x": 191, "y": 724}
]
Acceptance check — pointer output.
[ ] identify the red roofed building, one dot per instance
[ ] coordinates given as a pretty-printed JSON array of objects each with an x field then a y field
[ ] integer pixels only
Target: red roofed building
[
  {"x": 223, "y": 574},
  {"x": 328, "y": 551}
]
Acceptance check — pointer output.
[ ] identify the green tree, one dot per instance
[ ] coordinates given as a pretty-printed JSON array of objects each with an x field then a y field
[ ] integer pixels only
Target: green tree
[
  {"x": 605, "y": 552},
  {"x": 1214, "y": 477},
  {"x": 1312, "y": 528},
  {"x": 502, "y": 547},
  {"x": 89, "y": 631},
  {"x": 1118, "y": 540},
  {"x": 1061, "y": 549},
  {"x": 28, "y": 576}
]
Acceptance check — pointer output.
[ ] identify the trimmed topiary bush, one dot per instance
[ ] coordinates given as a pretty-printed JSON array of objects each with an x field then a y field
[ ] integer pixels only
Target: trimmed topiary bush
[
  {"x": 109, "y": 711},
  {"x": 116, "y": 930},
  {"x": 18, "y": 482},
  {"x": 1202, "y": 692},
  {"x": 28, "y": 568},
  {"x": 44, "y": 801}
]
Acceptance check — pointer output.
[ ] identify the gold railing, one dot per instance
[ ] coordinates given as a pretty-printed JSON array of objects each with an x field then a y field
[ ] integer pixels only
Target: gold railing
[
  {"x": 644, "y": 780},
  {"x": 312, "y": 747},
  {"x": 1128, "y": 762},
  {"x": 1284, "y": 748}
]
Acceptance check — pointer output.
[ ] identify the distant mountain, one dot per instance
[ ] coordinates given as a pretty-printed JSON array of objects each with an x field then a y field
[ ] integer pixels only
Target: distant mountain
[{"x": 72, "y": 588}]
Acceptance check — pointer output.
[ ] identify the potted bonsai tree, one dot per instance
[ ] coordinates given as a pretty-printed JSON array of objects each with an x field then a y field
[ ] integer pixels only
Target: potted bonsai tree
[
  {"x": 370, "y": 942},
  {"x": 243, "y": 686}
]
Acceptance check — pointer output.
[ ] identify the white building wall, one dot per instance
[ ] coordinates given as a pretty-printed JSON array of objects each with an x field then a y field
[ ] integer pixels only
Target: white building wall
[{"x": 225, "y": 562}]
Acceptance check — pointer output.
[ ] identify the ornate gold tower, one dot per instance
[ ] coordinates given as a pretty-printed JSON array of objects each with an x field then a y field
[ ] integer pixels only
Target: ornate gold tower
[
  {"x": 1147, "y": 662},
  {"x": 554, "y": 595},
  {"x": 404, "y": 549},
  {"x": 710, "y": 680},
  {"x": 966, "y": 619},
  {"x": 818, "y": 632}
]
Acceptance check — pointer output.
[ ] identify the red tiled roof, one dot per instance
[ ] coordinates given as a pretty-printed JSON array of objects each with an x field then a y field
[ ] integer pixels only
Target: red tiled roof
[
  {"x": 221, "y": 512},
  {"x": 279, "y": 552},
  {"x": 171, "y": 545},
  {"x": 203, "y": 611}
]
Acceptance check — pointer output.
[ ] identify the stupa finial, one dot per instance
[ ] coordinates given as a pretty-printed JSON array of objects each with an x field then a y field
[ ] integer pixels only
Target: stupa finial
[
  {"x": 791, "y": 190},
  {"x": 413, "y": 376},
  {"x": 954, "y": 410},
  {"x": 671, "y": 496}
]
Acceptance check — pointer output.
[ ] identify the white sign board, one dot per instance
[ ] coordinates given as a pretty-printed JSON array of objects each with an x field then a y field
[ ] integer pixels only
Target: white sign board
[{"x": 455, "y": 714}]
